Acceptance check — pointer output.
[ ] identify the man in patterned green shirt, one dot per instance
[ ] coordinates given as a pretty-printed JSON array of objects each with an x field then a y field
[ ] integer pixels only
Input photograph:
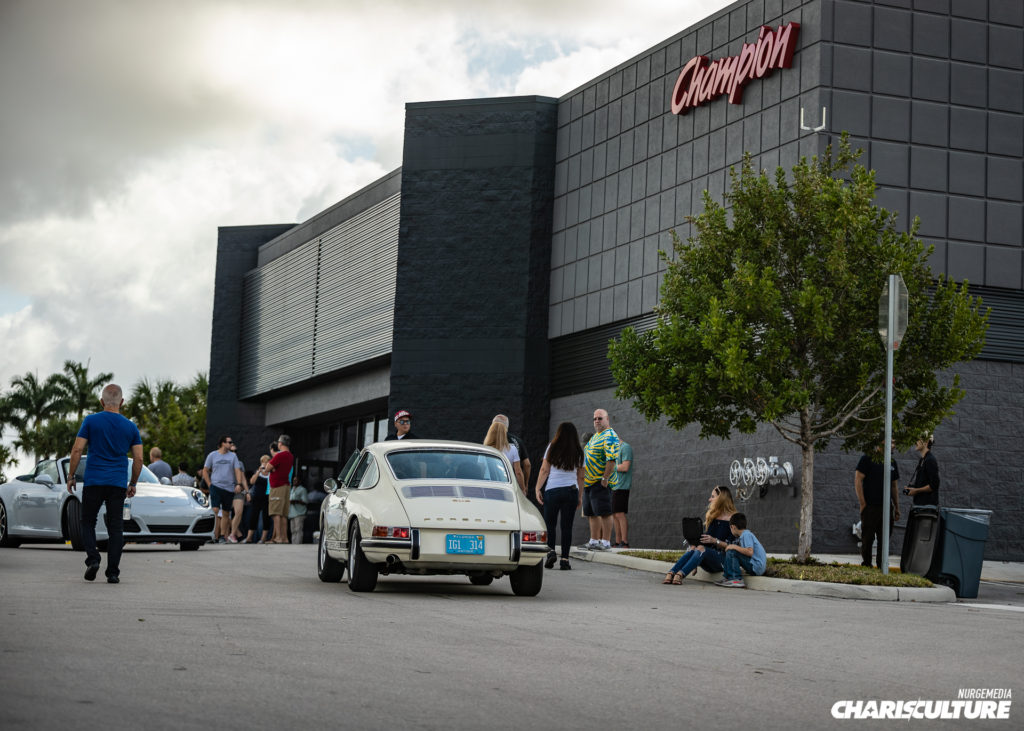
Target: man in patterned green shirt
[{"x": 599, "y": 473}]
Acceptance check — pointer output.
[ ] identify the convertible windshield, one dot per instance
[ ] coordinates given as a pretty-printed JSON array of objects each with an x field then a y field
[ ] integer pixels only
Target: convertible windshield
[
  {"x": 440, "y": 464},
  {"x": 144, "y": 476}
]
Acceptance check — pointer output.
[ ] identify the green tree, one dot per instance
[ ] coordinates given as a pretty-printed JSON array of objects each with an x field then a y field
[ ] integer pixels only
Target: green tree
[
  {"x": 6, "y": 460},
  {"x": 77, "y": 390},
  {"x": 33, "y": 403},
  {"x": 171, "y": 417},
  {"x": 769, "y": 315}
]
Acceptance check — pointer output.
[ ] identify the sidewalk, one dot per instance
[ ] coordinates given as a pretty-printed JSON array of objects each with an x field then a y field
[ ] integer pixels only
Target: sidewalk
[{"x": 991, "y": 571}]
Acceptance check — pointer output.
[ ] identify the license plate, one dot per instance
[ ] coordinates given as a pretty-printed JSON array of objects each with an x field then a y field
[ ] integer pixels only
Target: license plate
[{"x": 458, "y": 543}]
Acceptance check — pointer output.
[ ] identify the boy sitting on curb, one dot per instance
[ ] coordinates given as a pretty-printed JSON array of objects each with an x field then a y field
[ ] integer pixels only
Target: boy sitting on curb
[{"x": 745, "y": 553}]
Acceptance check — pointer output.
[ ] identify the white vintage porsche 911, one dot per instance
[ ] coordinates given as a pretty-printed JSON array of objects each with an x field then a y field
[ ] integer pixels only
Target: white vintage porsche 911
[{"x": 430, "y": 507}]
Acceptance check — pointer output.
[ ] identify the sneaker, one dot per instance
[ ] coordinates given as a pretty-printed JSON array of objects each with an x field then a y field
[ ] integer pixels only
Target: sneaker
[
  {"x": 221, "y": 540},
  {"x": 550, "y": 560},
  {"x": 564, "y": 565},
  {"x": 623, "y": 545},
  {"x": 113, "y": 580},
  {"x": 722, "y": 582},
  {"x": 589, "y": 546},
  {"x": 602, "y": 547},
  {"x": 91, "y": 570},
  {"x": 734, "y": 584},
  {"x": 232, "y": 539}
]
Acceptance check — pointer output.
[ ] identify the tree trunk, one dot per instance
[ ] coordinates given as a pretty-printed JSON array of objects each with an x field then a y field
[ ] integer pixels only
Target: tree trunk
[{"x": 806, "y": 491}]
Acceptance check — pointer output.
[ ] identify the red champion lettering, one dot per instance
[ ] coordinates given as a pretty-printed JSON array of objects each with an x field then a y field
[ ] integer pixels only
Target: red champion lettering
[{"x": 699, "y": 82}]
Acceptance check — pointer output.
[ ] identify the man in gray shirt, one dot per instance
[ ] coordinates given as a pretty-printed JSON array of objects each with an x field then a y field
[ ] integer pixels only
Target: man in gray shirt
[
  {"x": 157, "y": 465},
  {"x": 223, "y": 473}
]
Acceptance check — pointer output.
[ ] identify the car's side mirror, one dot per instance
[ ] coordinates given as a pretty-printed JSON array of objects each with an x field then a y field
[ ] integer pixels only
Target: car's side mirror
[
  {"x": 330, "y": 485},
  {"x": 44, "y": 480}
]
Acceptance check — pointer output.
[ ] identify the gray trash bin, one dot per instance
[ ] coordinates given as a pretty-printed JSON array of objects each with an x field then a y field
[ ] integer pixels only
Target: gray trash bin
[
  {"x": 920, "y": 539},
  {"x": 961, "y": 549}
]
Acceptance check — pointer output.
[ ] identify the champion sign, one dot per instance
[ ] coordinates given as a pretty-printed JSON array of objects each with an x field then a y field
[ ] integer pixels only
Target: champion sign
[{"x": 700, "y": 82}]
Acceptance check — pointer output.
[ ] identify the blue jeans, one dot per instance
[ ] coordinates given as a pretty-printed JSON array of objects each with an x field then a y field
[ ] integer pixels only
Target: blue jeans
[
  {"x": 560, "y": 510},
  {"x": 734, "y": 560},
  {"x": 93, "y": 497},
  {"x": 710, "y": 560}
]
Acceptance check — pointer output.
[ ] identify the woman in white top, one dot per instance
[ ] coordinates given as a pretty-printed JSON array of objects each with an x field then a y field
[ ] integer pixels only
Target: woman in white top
[
  {"x": 497, "y": 437},
  {"x": 560, "y": 488}
]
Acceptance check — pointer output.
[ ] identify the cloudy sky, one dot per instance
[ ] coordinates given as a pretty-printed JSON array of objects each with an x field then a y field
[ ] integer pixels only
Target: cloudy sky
[{"x": 130, "y": 131}]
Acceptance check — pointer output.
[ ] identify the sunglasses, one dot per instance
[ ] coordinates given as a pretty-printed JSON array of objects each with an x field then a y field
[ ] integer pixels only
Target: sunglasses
[{"x": 403, "y": 421}]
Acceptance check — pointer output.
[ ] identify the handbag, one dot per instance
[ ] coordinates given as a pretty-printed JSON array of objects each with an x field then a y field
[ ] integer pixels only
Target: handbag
[{"x": 693, "y": 528}]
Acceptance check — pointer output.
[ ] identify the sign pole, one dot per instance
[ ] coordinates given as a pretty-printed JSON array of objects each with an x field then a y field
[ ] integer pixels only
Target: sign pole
[{"x": 887, "y": 446}]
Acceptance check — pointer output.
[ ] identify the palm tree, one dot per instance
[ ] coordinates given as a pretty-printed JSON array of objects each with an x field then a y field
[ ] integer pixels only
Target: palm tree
[
  {"x": 77, "y": 390},
  {"x": 33, "y": 404}
]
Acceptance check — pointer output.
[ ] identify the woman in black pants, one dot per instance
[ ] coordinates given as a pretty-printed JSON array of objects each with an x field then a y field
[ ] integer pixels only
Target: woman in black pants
[
  {"x": 560, "y": 489},
  {"x": 260, "y": 503}
]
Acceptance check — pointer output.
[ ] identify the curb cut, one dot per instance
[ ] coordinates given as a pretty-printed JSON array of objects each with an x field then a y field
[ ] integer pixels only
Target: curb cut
[{"x": 935, "y": 594}]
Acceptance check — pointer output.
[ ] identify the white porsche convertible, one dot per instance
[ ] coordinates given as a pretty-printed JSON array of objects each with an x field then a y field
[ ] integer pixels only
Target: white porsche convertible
[
  {"x": 430, "y": 507},
  {"x": 37, "y": 508}
]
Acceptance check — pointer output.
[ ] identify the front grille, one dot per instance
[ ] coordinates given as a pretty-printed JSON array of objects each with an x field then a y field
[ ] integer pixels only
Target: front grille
[
  {"x": 203, "y": 526},
  {"x": 158, "y": 528}
]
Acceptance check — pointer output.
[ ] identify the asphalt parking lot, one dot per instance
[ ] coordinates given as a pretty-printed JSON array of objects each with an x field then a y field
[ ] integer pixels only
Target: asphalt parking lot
[{"x": 247, "y": 637}]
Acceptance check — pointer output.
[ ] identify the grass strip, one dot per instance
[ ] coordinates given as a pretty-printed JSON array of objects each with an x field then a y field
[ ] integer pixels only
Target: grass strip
[{"x": 833, "y": 573}]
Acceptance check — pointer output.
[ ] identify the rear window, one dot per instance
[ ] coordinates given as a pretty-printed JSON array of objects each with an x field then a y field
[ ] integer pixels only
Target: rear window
[{"x": 443, "y": 465}]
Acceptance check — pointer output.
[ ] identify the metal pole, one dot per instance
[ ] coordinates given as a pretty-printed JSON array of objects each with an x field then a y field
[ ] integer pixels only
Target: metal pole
[{"x": 887, "y": 447}]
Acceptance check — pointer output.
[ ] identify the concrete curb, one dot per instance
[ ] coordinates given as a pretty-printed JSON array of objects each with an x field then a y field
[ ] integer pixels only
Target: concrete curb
[{"x": 940, "y": 594}]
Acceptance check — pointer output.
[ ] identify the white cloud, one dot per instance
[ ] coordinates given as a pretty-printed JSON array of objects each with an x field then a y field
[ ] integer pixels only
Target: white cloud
[{"x": 131, "y": 131}]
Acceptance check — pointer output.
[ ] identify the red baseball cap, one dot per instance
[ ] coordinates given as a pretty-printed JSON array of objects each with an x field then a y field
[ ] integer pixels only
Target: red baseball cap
[{"x": 400, "y": 413}]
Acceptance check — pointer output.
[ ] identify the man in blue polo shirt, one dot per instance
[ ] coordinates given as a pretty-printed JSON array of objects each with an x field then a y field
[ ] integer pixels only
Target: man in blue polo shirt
[{"x": 109, "y": 437}]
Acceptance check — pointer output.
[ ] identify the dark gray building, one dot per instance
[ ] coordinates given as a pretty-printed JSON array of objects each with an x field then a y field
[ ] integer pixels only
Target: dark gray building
[{"x": 520, "y": 234}]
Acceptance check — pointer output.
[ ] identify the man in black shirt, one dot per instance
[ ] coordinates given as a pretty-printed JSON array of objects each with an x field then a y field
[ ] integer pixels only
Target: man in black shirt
[
  {"x": 924, "y": 486},
  {"x": 869, "y": 485}
]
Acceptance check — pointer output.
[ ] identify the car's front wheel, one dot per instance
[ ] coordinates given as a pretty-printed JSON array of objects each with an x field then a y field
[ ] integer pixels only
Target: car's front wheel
[
  {"x": 526, "y": 580},
  {"x": 327, "y": 568},
  {"x": 6, "y": 541},
  {"x": 74, "y": 519},
  {"x": 362, "y": 575}
]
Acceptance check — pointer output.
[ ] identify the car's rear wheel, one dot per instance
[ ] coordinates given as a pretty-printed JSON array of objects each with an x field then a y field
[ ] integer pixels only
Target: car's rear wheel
[
  {"x": 74, "y": 521},
  {"x": 526, "y": 580},
  {"x": 6, "y": 541},
  {"x": 482, "y": 580},
  {"x": 190, "y": 545},
  {"x": 362, "y": 575},
  {"x": 327, "y": 568}
]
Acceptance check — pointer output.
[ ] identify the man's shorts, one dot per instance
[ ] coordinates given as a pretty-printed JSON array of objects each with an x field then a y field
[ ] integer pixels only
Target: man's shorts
[
  {"x": 597, "y": 501},
  {"x": 221, "y": 498},
  {"x": 620, "y": 501},
  {"x": 279, "y": 500}
]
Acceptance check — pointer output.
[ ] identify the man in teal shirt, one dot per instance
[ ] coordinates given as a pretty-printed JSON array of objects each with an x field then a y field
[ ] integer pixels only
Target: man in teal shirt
[{"x": 620, "y": 494}]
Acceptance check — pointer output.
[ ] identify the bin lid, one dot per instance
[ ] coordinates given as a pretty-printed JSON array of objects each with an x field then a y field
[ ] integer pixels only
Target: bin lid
[{"x": 979, "y": 516}]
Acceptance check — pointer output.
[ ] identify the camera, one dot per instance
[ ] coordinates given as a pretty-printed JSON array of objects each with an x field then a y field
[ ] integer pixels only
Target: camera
[{"x": 906, "y": 490}]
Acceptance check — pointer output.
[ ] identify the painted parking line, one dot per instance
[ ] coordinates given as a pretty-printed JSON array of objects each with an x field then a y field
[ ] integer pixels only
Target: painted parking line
[{"x": 1008, "y": 607}]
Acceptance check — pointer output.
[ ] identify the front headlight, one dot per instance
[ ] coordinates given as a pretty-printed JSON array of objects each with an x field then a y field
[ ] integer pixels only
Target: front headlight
[{"x": 201, "y": 498}]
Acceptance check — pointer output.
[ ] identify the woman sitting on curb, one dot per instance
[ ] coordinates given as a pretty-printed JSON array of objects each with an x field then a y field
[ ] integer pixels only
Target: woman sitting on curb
[{"x": 716, "y": 536}]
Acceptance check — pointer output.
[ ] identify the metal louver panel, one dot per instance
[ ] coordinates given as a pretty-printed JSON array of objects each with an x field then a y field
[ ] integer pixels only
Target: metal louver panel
[
  {"x": 579, "y": 362},
  {"x": 356, "y": 296},
  {"x": 276, "y": 343},
  {"x": 1005, "y": 337},
  {"x": 323, "y": 306}
]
